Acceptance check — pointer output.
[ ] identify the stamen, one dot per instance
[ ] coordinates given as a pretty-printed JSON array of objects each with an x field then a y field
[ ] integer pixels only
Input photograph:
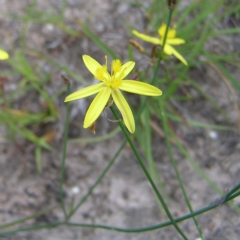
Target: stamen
[
  {"x": 116, "y": 65},
  {"x": 106, "y": 62}
]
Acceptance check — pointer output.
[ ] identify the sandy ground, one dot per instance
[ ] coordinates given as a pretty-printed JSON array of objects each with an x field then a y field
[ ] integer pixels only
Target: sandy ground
[{"x": 124, "y": 198}]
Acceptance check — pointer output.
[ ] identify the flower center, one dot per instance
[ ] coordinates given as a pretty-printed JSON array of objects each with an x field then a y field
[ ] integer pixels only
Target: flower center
[
  {"x": 171, "y": 32},
  {"x": 114, "y": 79}
]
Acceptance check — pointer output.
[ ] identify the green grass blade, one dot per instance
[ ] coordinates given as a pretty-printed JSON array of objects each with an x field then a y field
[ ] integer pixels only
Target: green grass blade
[{"x": 97, "y": 41}]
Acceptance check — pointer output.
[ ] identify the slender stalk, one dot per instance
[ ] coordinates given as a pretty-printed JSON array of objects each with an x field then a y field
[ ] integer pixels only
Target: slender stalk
[
  {"x": 63, "y": 162},
  {"x": 97, "y": 181},
  {"x": 169, "y": 148},
  {"x": 168, "y": 24},
  {"x": 155, "y": 70},
  {"x": 143, "y": 105},
  {"x": 233, "y": 190},
  {"x": 34, "y": 216},
  {"x": 158, "y": 194},
  {"x": 112, "y": 228}
]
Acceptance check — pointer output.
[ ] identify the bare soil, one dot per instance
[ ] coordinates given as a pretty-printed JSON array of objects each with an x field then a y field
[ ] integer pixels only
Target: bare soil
[{"x": 124, "y": 197}]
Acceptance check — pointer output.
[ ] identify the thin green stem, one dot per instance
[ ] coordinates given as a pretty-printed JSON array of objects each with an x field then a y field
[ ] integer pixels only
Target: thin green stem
[
  {"x": 200, "y": 171},
  {"x": 98, "y": 180},
  {"x": 34, "y": 216},
  {"x": 126, "y": 230},
  {"x": 155, "y": 70},
  {"x": 147, "y": 145},
  {"x": 143, "y": 105},
  {"x": 233, "y": 190},
  {"x": 63, "y": 162},
  {"x": 169, "y": 148},
  {"x": 168, "y": 24},
  {"x": 158, "y": 194}
]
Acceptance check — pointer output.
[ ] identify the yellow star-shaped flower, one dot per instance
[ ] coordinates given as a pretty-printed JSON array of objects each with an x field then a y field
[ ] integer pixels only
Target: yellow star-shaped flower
[
  {"x": 3, "y": 55},
  {"x": 110, "y": 86},
  {"x": 170, "y": 40}
]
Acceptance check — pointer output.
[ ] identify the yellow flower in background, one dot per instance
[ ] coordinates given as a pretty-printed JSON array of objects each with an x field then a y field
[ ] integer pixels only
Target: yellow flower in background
[
  {"x": 110, "y": 86},
  {"x": 170, "y": 40},
  {"x": 3, "y": 55}
]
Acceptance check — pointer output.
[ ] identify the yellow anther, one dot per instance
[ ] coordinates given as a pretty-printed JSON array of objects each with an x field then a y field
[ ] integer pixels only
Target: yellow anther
[{"x": 116, "y": 65}]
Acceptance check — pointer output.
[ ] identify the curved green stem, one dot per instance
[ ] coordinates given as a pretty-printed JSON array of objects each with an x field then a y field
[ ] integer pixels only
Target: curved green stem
[
  {"x": 143, "y": 105},
  {"x": 169, "y": 148},
  {"x": 158, "y": 194},
  {"x": 126, "y": 230}
]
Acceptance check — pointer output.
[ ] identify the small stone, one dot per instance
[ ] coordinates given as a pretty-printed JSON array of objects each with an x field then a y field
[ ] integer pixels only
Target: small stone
[
  {"x": 213, "y": 135},
  {"x": 75, "y": 190}
]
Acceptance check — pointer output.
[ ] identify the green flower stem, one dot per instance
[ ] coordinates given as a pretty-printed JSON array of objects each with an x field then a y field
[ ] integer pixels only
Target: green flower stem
[
  {"x": 201, "y": 172},
  {"x": 143, "y": 105},
  {"x": 169, "y": 148},
  {"x": 124, "y": 143},
  {"x": 147, "y": 174},
  {"x": 233, "y": 190},
  {"x": 155, "y": 70},
  {"x": 98, "y": 180},
  {"x": 34, "y": 216},
  {"x": 126, "y": 230},
  {"x": 147, "y": 145},
  {"x": 168, "y": 24},
  {"x": 63, "y": 162}
]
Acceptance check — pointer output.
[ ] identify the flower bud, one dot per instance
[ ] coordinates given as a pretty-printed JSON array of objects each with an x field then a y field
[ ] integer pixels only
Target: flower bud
[
  {"x": 171, "y": 4},
  {"x": 137, "y": 46}
]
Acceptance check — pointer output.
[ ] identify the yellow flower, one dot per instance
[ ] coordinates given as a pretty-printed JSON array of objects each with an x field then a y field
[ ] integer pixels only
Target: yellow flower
[
  {"x": 170, "y": 40},
  {"x": 3, "y": 55},
  {"x": 110, "y": 86}
]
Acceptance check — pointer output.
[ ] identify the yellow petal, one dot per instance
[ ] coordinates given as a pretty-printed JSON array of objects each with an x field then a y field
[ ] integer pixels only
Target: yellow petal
[
  {"x": 146, "y": 37},
  {"x": 168, "y": 49},
  {"x": 179, "y": 56},
  {"x": 171, "y": 31},
  {"x": 85, "y": 92},
  {"x": 175, "y": 41},
  {"x": 140, "y": 88},
  {"x": 91, "y": 64},
  {"x": 96, "y": 107},
  {"x": 125, "y": 110},
  {"x": 126, "y": 68},
  {"x": 3, "y": 55}
]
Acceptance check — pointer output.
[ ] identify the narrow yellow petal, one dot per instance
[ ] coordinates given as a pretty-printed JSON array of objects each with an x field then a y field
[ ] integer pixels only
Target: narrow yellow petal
[
  {"x": 175, "y": 41},
  {"x": 179, "y": 56},
  {"x": 85, "y": 92},
  {"x": 126, "y": 68},
  {"x": 125, "y": 110},
  {"x": 169, "y": 50},
  {"x": 146, "y": 37},
  {"x": 91, "y": 64},
  {"x": 3, "y": 55},
  {"x": 96, "y": 107},
  {"x": 140, "y": 88}
]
